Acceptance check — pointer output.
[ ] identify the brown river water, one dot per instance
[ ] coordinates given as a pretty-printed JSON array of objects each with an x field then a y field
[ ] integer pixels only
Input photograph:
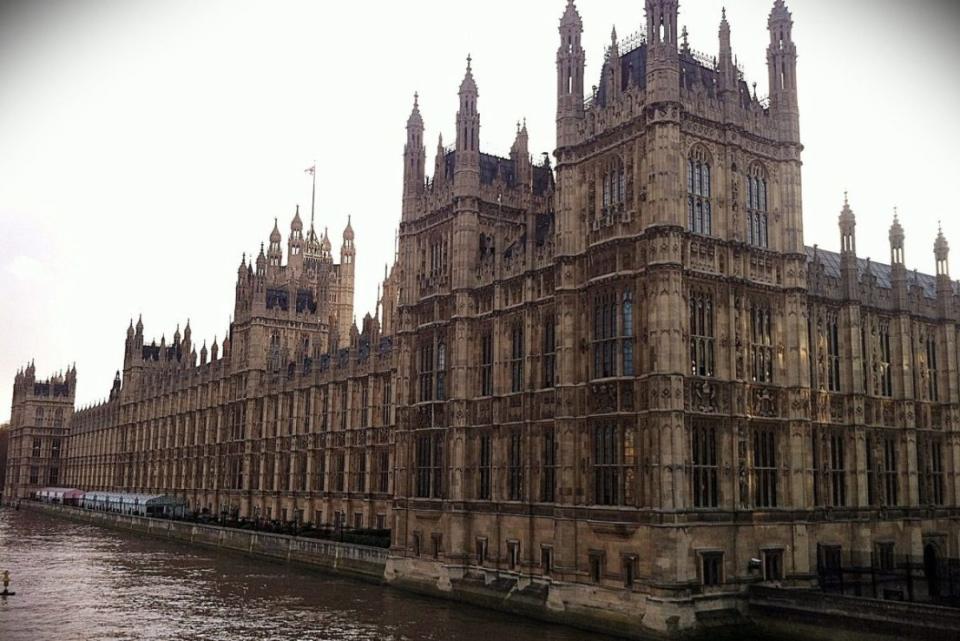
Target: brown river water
[{"x": 78, "y": 582}]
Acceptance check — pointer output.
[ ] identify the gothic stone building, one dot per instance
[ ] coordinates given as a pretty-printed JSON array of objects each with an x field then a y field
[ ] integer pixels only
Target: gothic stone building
[
  {"x": 36, "y": 439},
  {"x": 622, "y": 381}
]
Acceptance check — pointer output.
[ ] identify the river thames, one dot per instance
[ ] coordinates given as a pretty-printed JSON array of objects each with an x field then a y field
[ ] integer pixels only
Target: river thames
[{"x": 80, "y": 582}]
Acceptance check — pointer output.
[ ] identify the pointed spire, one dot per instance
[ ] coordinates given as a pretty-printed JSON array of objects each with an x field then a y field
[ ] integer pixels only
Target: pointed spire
[
  {"x": 348, "y": 230},
  {"x": 415, "y": 121},
  {"x": 275, "y": 234},
  {"x": 570, "y": 15},
  {"x": 848, "y": 224},
  {"x": 296, "y": 224},
  {"x": 685, "y": 40},
  {"x": 468, "y": 85}
]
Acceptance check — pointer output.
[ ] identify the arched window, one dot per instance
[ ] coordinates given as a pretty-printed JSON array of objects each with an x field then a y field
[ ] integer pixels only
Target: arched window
[
  {"x": 699, "y": 206},
  {"x": 441, "y": 371},
  {"x": 758, "y": 233},
  {"x": 614, "y": 187}
]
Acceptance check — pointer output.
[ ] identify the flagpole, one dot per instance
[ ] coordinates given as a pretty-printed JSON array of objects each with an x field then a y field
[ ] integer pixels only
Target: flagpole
[{"x": 313, "y": 193}]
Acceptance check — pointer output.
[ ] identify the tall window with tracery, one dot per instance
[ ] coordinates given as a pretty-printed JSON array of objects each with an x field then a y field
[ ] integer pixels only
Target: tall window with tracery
[
  {"x": 933, "y": 390},
  {"x": 548, "y": 479},
  {"x": 885, "y": 372},
  {"x": 429, "y": 465},
  {"x": 761, "y": 343},
  {"x": 607, "y": 463},
  {"x": 516, "y": 358},
  {"x": 930, "y": 470},
  {"x": 701, "y": 334},
  {"x": 838, "y": 471},
  {"x": 515, "y": 467},
  {"x": 764, "y": 467},
  {"x": 706, "y": 471},
  {"x": 614, "y": 188},
  {"x": 486, "y": 467},
  {"x": 757, "y": 217},
  {"x": 486, "y": 364},
  {"x": 549, "y": 350},
  {"x": 441, "y": 372},
  {"x": 426, "y": 373},
  {"x": 882, "y": 474},
  {"x": 699, "y": 208},
  {"x": 833, "y": 353},
  {"x": 613, "y": 334}
]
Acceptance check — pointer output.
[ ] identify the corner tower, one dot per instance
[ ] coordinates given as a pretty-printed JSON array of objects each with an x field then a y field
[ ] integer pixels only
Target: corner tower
[{"x": 570, "y": 64}]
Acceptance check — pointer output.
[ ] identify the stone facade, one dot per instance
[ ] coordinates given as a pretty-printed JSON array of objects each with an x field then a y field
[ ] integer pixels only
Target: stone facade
[
  {"x": 38, "y": 433},
  {"x": 623, "y": 379}
]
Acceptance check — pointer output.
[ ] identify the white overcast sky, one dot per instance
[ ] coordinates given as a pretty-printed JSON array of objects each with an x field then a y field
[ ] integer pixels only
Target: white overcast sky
[{"x": 144, "y": 145}]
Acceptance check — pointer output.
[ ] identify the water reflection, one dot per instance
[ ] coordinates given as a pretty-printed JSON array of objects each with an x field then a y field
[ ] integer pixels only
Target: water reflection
[{"x": 80, "y": 582}]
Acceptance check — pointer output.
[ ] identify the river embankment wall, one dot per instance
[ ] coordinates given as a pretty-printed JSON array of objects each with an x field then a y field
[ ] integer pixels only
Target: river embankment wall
[
  {"x": 358, "y": 561},
  {"x": 761, "y": 612}
]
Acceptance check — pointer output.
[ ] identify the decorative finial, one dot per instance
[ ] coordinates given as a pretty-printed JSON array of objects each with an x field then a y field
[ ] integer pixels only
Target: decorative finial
[
  {"x": 896, "y": 214},
  {"x": 723, "y": 13},
  {"x": 846, "y": 199},
  {"x": 416, "y": 99},
  {"x": 686, "y": 37},
  {"x": 469, "y": 62}
]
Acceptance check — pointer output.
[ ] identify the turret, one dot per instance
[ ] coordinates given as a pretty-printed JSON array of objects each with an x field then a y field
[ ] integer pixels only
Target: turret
[
  {"x": 261, "y": 263},
  {"x": 663, "y": 65},
  {"x": 570, "y": 64},
  {"x": 295, "y": 242},
  {"x": 347, "y": 250},
  {"x": 898, "y": 271},
  {"x": 414, "y": 160},
  {"x": 467, "y": 171},
  {"x": 896, "y": 242},
  {"x": 611, "y": 67},
  {"x": 203, "y": 354},
  {"x": 782, "y": 67},
  {"x": 520, "y": 154},
  {"x": 439, "y": 168},
  {"x": 941, "y": 251},
  {"x": 728, "y": 72},
  {"x": 275, "y": 254},
  {"x": 848, "y": 249},
  {"x": 325, "y": 247}
]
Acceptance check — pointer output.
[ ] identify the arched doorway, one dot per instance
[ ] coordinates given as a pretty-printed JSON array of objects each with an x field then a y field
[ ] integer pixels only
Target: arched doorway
[{"x": 931, "y": 569}]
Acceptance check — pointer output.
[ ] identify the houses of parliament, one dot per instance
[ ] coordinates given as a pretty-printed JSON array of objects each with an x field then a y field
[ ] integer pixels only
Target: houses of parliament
[{"x": 619, "y": 376}]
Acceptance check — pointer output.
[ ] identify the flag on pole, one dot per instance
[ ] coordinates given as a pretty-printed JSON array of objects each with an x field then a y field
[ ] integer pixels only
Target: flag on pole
[{"x": 312, "y": 170}]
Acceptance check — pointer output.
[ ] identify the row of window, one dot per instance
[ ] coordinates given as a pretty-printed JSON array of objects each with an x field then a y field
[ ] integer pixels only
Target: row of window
[
  {"x": 289, "y": 474},
  {"x": 700, "y": 201},
  {"x": 703, "y": 338},
  {"x": 613, "y": 346},
  {"x": 711, "y": 563},
  {"x": 613, "y": 462},
  {"x": 432, "y": 382},
  {"x": 53, "y": 476},
  {"x": 881, "y": 358}
]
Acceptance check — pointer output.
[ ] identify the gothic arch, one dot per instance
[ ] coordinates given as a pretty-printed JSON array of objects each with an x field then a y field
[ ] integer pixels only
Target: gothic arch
[
  {"x": 700, "y": 190},
  {"x": 757, "y": 205}
]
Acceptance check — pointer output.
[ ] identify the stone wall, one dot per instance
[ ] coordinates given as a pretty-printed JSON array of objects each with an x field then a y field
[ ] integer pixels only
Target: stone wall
[
  {"x": 805, "y": 614},
  {"x": 354, "y": 560}
]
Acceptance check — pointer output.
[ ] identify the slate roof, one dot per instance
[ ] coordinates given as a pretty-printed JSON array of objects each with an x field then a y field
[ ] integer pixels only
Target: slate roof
[{"x": 831, "y": 263}]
